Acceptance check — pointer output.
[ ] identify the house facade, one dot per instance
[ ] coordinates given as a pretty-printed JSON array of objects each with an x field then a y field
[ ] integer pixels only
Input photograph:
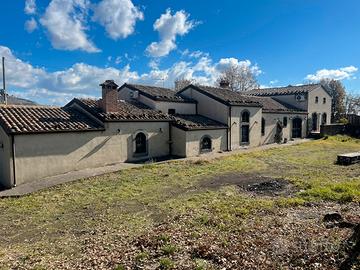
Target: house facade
[
  {"x": 313, "y": 98},
  {"x": 136, "y": 122}
]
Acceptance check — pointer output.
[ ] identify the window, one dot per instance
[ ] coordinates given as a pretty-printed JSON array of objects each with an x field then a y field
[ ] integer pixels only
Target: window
[
  {"x": 262, "y": 126},
  {"x": 140, "y": 143},
  {"x": 245, "y": 134},
  {"x": 244, "y": 127},
  {"x": 245, "y": 117},
  {"x": 285, "y": 121},
  {"x": 205, "y": 144},
  {"x": 324, "y": 118},
  {"x": 324, "y": 100},
  {"x": 316, "y": 99},
  {"x": 171, "y": 111}
]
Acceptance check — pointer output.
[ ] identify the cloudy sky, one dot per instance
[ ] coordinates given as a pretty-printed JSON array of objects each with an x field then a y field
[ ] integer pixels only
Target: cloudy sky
[{"x": 59, "y": 49}]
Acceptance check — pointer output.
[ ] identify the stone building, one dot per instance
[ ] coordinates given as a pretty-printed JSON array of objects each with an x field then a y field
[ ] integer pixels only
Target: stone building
[{"x": 135, "y": 122}]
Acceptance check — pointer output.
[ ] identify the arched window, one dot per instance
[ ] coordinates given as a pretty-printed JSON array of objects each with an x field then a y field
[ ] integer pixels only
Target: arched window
[
  {"x": 262, "y": 126},
  {"x": 324, "y": 118},
  {"x": 245, "y": 128},
  {"x": 205, "y": 144},
  {"x": 140, "y": 143},
  {"x": 245, "y": 117},
  {"x": 285, "y": 121}
]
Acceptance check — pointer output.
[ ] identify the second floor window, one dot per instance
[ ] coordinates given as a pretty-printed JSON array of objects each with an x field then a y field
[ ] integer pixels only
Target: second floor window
[
  {"x": 316, "y": 99},
  {"x": 324, "y": 100}
]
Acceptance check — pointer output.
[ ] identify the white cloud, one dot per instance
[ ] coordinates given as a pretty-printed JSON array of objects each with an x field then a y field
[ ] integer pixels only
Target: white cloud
[
  {"x": 118, "y": 17},
  {"x": 30, "y": 7},
  {"x": 336, "y": 74},
  {"x": 169, "y": 26},
  {"x": 31, "y": 25},
  {"x": 66, "y": 24},
  {"x": 82, "y": 80}
]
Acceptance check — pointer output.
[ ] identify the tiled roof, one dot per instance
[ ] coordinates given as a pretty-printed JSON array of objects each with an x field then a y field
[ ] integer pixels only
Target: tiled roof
[
  {"x": 225, "y": 96},
  {"x": 128, "y": 111},
  {"x": 271, "y": 105},
  {"x": 194, "y": 122},
  {"x": 288, "y": 90},
  {"x": 16, "y": 119},
  {"x": 158, "y": 93}
]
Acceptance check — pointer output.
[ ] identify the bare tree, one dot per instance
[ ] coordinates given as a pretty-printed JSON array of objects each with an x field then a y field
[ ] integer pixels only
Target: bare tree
[
  {"x": 181, "y": 83},
  {"x": 337, "y": 92},
  {"x": 352, "y": 104},
  {"x": 239, "y": 78}
]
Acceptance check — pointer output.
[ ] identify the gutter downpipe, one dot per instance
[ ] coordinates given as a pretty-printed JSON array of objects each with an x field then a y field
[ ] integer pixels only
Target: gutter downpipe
[{"x": 13, "y": 159}]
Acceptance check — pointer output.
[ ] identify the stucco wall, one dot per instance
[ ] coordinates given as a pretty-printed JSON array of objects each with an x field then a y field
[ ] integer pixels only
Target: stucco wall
[
  {"x": 218, "y": 141},
  {"x": 319, "y": 108},
  {"x": 254, "y": 125},
  {"x": 179, "y": 142},
  {"x": 291, "y": 99},
  {"x": 208, "y": 106},
  {"x": 180, "y": 107},
  {"x": 5, "y": 159},
  {"x": 271, "y": 120},
  {"x": 42, "y": 155}
]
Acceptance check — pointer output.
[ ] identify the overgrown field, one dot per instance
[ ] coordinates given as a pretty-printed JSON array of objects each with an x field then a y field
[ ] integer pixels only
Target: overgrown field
[{"x": 260, "y": 210}]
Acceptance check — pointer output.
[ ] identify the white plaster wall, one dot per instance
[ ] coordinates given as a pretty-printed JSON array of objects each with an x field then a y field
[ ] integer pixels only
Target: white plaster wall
[
  {"x": 180, "y": 107},
  {"x": 319, "y": 108},
  {"x": 208, "y": 106},
  {"x": 290, "y": 99},
  {"x": 179, "y": 142},
  {"x": 5, "y": 160},
  {"x": 218, "y": 140},
  {"x": 255, "y": 126},
  {"x": 124, "y": 94},
  {"x": 42, "y": 155},
  {"x": 163, "y": 106},
  {"x": 271, "y": 120}
]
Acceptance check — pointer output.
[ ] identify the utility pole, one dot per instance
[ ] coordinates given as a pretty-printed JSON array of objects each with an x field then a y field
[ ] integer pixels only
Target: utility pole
[{"x": 4, "y": 85}]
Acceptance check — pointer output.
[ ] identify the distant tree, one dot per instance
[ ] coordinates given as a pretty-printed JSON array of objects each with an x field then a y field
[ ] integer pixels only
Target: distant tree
[
  {"x": 352, "y": 104},
  {"x": 337, "y": 92},
  {"x": 239, "y": 78},
  {"x": 181, "y": 83}
]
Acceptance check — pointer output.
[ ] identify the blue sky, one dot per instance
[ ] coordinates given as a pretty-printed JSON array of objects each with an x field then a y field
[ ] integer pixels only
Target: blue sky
[{"x": 63, "y": 48}]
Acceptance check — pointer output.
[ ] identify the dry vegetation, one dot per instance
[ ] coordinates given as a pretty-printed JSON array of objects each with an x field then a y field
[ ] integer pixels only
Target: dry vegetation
[{"x": 261, "y": 210}]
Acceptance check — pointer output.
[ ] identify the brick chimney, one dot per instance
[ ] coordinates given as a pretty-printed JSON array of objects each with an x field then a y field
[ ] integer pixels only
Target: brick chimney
[
  {"x": 224, "y": 84},
  {"x": 110, "y": 100}
]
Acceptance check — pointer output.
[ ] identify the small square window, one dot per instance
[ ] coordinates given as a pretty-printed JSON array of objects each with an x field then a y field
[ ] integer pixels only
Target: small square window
[{"x": 171, "y": 111}]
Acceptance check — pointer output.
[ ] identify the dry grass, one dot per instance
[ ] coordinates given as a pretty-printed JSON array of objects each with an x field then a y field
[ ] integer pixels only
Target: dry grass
[{"x": 55, "y": 227}]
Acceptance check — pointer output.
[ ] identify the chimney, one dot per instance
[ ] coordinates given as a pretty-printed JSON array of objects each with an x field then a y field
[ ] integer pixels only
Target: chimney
[
  {"x": 224, "y": 84},
  {"x": 110, "y": 100}
]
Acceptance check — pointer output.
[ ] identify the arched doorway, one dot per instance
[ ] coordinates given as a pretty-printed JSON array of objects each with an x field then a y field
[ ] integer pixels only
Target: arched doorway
[
  {"x": 324, "y": 119},
  {"x": 314, "y": 126},
  {"x": 296, "y": 127},
  {"x": 140, "y": 143},
  {"x": 205, "y": 144}
]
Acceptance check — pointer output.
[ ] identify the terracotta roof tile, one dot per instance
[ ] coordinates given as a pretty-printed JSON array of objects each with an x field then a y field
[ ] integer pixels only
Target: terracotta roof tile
[
  {"x": 158, "y": 93},
  {"x": 226, "y": 96},
  {"x": 288, "y": 90},
  {"x": 271, "y": 105},
  {"x": 194, "y": 122},
  {"x": 128, "y": 111},
  {"x": 34, "y": 119}
]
